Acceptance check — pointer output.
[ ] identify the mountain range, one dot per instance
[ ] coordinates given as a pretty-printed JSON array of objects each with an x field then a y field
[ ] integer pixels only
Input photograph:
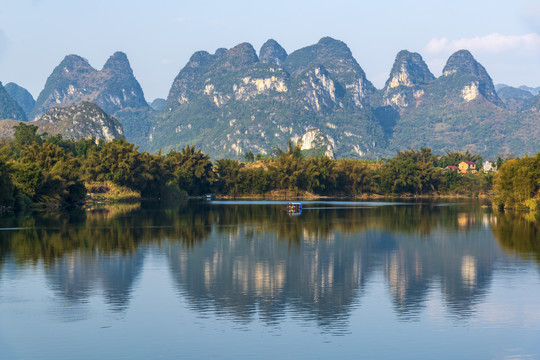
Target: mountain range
[{"x": 235, "y": 101}]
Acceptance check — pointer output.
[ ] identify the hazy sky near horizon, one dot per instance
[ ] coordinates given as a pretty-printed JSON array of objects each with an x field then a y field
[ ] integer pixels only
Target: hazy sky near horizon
[{"x": 160, "y": 36}]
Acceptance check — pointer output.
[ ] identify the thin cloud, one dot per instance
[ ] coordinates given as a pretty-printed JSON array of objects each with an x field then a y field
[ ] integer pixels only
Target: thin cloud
[
  {"x": 492, "y": 43},
  {"x": 531, "y": 11}
]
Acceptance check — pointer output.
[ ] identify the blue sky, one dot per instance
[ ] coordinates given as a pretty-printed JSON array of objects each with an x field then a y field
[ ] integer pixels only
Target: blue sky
[{"x": 160, "y": 36}]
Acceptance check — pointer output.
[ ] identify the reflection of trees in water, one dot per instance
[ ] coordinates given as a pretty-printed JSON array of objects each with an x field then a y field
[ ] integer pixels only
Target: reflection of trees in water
[
  {"x": 103, "y": 248},
  {"x": 518, "y": 233},
  {"x": 52, "y": 235},
  {"x": 249, "y": 260},
  {"x": 322, "y": 223},
  {"x": 122, "y": 229}
]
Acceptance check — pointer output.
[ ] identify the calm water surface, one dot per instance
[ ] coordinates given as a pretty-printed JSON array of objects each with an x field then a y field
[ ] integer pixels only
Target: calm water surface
[{"x": 243, "y": 280}]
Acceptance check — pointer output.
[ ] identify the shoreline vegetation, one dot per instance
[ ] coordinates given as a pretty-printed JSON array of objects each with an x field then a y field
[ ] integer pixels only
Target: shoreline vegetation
[{"x": 51, "y": 172}]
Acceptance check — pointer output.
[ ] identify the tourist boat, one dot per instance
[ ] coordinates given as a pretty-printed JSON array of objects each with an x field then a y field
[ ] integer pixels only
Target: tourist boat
[
  {"x": 294, "y": 208},
  {"x": 210, "y": 197}
]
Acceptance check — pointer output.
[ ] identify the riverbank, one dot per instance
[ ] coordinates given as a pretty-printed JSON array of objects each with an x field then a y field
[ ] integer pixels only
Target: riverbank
[
  {"x": 108, "y": 192},
  {"x": 286, "y": 195}
]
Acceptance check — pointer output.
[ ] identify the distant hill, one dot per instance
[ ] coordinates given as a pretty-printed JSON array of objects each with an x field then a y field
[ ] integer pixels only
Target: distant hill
[
  {"x": 534, "y": 91},
  {"x": 461, "y": 110},
  {"x": 81, "y": 121},
  {"x": 231, "y": 102},
  {"x": 114, "y": 88},
  {"x": 22, "y": 97},
  {"x": 236, "y": 101},
  {"x": 6, "y": 128},
  {"x": 158, "y": 104},
  {"x": 515, "y": 98},
  {"x": 9, "y": 108},
  {"x": 509, "y": 92}
]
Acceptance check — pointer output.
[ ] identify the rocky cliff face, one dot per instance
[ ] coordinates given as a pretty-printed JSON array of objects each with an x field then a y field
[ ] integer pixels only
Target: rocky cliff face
[
  {"x": 120, "y": 89},
  {"x": 114, "y": 88},
  {"x": 316, "y": 142},
  {"x": 337, "y": 59},
  {"x": 232, "y": 101},
  {"x": 271, "y": 52},
  {"x": 22, "y": 97},
  {"x": 84, "y": 120},
  {"x": 406, "y": 83},
  {"x": 409, "y": 70},
  {"x": 9, "y": 108},
  {"x": 319, "y": 91},
  {"x": 468, "y": 79},
  {"x": 458, "y": 111}
]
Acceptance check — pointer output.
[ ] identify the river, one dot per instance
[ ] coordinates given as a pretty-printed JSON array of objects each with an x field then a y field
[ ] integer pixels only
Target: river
[{"x": 244, "y": 280}]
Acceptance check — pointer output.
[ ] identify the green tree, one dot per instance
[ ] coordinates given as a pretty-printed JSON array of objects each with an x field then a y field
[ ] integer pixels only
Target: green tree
[
  {"x": 117, "y": 161},
  {"x": 192, "y": 170},
  {"x": 28, "y": 178},
  {"x": 26, "y": 135},
  {"x": 249, "y": 156},
  {"x": 7, "y": 193},
  {"x": 288, "y": 169},
  {"x": 47, "y": 175},
  {"x": 353, "y": 177},
  {"x": 517, "y": 181},
  {"x": 319, "y": 175},
  {"x": 410, "y": 171},
  {"x": 228, "y": 176}
]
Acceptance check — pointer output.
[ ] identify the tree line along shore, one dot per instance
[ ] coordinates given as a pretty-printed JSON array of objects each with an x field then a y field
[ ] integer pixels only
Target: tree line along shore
[{"x": 49, "y": 171}]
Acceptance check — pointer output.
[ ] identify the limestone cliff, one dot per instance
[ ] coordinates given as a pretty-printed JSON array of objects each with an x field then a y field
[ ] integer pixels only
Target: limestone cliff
[
  {"x": 458, "y": 111},
  {"x": 468, "y": 78},
  {"x": 405, "y": 85},
  {"x": 84, "y": 120},
  {"x": 113, "y": 88},
  {"x": 232, "y": 101},
  {"x": 272, "y": 52}
]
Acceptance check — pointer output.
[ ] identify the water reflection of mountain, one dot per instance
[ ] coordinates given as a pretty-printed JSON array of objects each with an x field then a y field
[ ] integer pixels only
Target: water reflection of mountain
[
  {"x": 323, "y": 278},
  {"x": 252, "y": 272},
  {"x": 254, "y": 261},
  {"x": 78, "y": 275},
  {"x": 460, "y": 264}
]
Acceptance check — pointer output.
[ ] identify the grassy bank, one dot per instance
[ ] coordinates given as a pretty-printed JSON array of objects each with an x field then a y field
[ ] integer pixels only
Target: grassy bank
[{"x": 108, "y": 192}]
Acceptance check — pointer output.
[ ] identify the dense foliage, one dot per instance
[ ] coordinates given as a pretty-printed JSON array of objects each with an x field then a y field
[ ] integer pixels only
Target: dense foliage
[
  {"x": 51, "y": 171},
  {"x": 518, "y": 183}
]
